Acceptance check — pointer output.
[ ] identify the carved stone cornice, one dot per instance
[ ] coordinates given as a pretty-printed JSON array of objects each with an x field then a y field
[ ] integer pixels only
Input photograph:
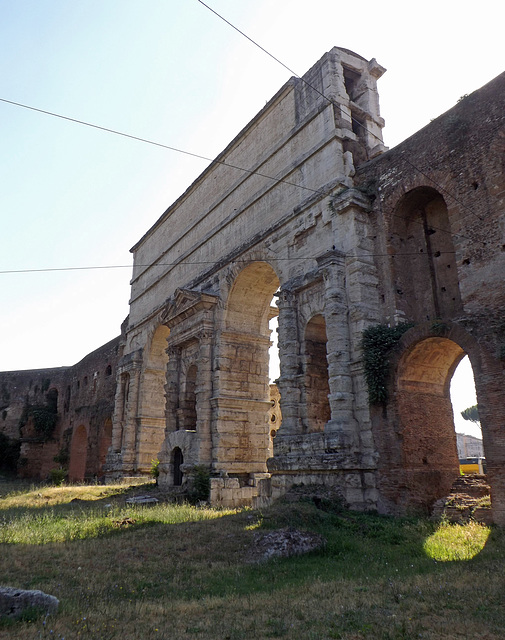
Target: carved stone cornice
[
  {"x": 186, "y": 303},
  {"x": 350, "y": 199}
]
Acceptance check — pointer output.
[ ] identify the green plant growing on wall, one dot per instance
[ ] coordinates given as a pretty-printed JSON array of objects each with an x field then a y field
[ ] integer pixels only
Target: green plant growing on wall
[
  {"x": 44, "y": 420},
  {"x": 377, "y": 344}
]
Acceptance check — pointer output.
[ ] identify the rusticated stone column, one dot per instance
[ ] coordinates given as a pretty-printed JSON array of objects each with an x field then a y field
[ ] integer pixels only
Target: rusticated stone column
[
  {"x": 343, "y": 426},
  {"x": 289, "y": 355}
]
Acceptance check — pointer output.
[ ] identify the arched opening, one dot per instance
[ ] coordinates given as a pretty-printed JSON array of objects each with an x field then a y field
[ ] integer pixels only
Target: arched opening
[
  {"x": 419, "y": 457},
  {"x": 468, "y": 432},
  {"x": 424, "y": 262},
  {"x": 78, "y": 454},
  {"x": 177, "y": 462},
  {"x": 188, "y": 414},
  {"x": 152, "y": 400},
  {"x": 316, "y": 385},
  {"x": 244, "y": 388}
]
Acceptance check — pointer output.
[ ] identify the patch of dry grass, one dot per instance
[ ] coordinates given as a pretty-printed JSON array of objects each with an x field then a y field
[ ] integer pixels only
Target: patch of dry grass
[{"x": 188, "y": 578}]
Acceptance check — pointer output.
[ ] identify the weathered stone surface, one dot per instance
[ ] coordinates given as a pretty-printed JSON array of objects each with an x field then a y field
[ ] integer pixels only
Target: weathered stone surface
[
  {"x": 284, "y": 543},
  {"x": 146, "y": 499},
  {"x": 334, "y": 234},
  {"x": 14, "y": 602}
]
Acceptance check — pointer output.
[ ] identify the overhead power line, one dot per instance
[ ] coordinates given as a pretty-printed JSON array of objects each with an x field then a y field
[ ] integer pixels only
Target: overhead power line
[
  {"x": 330, "y": 101},
  {"x": 189, "y": 153},
  {"x": 221, "y": 162},
  {"x": 156, "y": 144},
  {"x": 193, "y": 262}
]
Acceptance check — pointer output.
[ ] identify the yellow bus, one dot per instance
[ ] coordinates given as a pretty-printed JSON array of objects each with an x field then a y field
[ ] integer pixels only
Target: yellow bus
[{"x": 472, "y": 465}]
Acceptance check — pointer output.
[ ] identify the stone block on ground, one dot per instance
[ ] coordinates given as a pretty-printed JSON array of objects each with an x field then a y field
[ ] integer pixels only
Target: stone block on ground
[
  {"x": 142, "y": 500},
  {"x": 14, "y": 602},
  {"x": 284, "y": 543}
]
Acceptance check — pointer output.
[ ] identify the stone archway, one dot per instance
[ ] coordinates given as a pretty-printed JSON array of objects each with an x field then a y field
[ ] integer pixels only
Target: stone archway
[
  {"x": 152, "y": 401},
  {"x": 243, "y": 402},
  {"x": 78, "y": 454},
  {"x": 414, "y": 433}
]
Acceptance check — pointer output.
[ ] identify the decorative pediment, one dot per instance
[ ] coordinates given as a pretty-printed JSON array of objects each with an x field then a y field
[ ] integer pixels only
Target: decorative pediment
[{"x": 185, "y": 303}]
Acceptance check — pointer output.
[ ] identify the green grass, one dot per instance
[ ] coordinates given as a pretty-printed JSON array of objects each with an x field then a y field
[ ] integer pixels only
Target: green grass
[{"x": 182, "y": 572}]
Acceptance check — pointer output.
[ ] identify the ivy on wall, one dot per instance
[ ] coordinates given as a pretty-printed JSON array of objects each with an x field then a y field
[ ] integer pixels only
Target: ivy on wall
[
  {"x": 44, "y": 418},
  {"x": 377, "y": 344}
]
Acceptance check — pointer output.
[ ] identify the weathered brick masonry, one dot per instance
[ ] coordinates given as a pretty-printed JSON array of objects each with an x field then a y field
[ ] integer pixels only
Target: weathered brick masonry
[
  {"x": 76, "y": 403},
  {"x": 334, "y": 234},
  {"x": 438, "y": 217}
]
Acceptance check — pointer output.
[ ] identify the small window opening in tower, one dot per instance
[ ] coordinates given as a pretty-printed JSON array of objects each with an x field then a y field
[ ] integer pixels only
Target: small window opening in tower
[
  {"x": 351, "y": 79},
  {"x": 358, "y": 126}
]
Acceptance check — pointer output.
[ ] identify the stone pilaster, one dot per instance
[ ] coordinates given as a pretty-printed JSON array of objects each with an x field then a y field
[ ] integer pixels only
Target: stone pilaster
[
  {"x": 342, "y": 427},
  {"x": 289, "y": 355}
]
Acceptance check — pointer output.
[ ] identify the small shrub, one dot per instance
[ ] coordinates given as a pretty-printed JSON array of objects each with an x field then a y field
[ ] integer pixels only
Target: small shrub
[
  {"x": 58, "y": 476},
  {"x": 155, "y": 469},
  {"x": 199, "y": 484}
]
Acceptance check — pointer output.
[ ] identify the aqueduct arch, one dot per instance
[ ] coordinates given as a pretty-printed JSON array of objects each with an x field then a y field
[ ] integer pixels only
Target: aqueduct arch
[
  {"x": 351, "y": 235},
  {"x": 424, "y": 264},
  {"x": 242, "y": 434}
]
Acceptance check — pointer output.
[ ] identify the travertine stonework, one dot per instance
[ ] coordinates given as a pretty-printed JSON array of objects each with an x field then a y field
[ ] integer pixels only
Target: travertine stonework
[
  {"x": 332, "y": 232},
  {"x": 306, "y": 216}
]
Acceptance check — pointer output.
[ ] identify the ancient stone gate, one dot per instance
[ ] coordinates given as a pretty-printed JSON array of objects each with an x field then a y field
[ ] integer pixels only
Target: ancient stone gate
[{"x": 307, "y": 216}]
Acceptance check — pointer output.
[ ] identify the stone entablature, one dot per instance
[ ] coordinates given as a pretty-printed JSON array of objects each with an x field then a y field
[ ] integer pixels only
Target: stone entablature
[{"x": 306, "y": 215}]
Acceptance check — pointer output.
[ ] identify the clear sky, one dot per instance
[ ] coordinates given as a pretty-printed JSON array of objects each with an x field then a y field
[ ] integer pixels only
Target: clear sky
[{"x": 172, "y": 72}]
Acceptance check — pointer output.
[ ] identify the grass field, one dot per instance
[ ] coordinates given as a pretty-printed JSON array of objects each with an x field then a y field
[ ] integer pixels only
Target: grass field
[{"x": 180, "y": 572}]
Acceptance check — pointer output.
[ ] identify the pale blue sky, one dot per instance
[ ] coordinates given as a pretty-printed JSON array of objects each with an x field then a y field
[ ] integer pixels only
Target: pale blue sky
[{"x": 171, "y": 71}]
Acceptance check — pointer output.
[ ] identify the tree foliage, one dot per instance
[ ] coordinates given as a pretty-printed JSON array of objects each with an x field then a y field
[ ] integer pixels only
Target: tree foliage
[{"x": 472, "y": 414}]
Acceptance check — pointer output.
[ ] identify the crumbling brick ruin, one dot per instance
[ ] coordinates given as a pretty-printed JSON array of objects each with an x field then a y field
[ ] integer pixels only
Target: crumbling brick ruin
[
  {"x": 63, "y": 413},
  {"x": 336, "y": 235}
]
